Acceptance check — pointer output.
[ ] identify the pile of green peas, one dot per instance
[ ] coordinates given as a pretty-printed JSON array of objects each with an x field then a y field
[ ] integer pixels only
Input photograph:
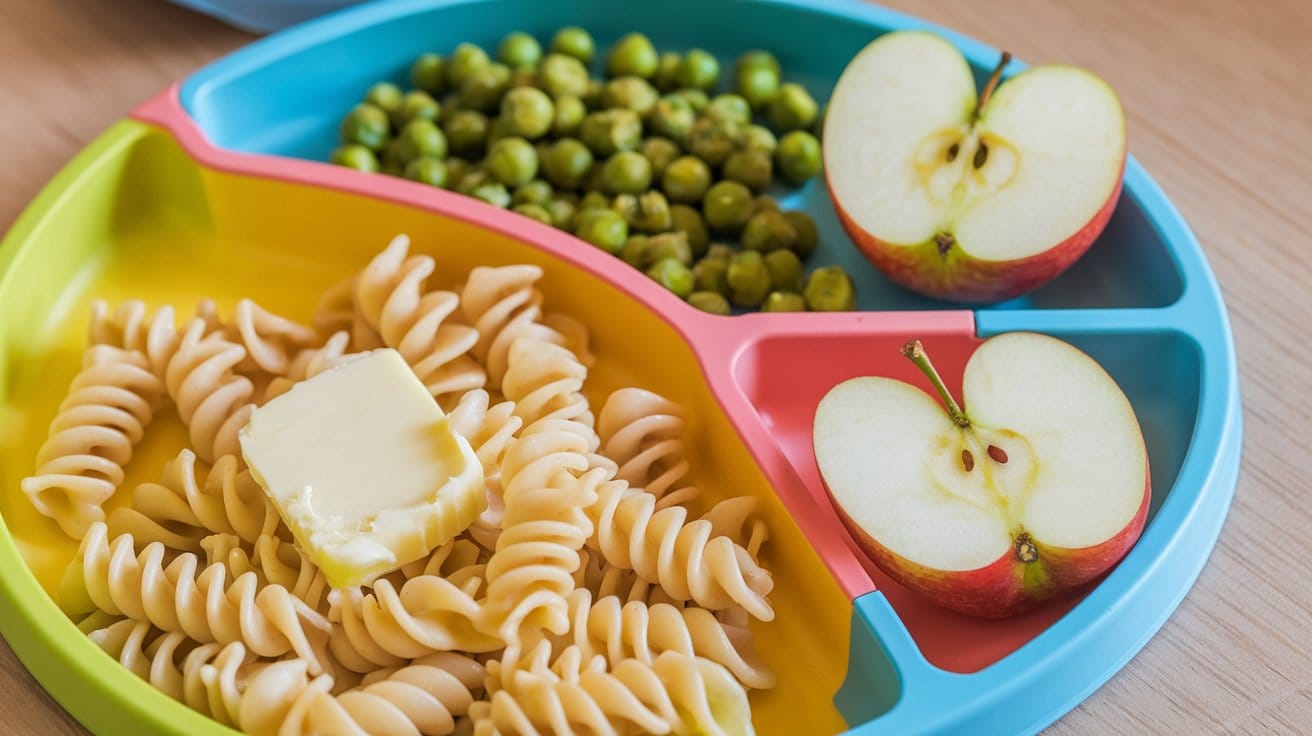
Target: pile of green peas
[{"x": 647, "y": 163}]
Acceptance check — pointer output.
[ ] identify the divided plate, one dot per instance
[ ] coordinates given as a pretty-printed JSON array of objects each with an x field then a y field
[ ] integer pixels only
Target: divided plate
[{"x": 215, "y": 188}]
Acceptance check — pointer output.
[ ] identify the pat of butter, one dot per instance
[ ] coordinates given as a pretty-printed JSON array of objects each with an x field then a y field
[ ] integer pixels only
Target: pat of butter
[{"x": 364, "y": 467}]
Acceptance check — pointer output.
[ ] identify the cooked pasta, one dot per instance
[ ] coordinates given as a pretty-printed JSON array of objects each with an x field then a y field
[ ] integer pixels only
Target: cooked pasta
[
  {"x": 643, "y": 433},
  {"x": 205, "y": 677},
  {"x": 419, "y": 324},
  {"x": 595, "y": 596},
  {"x": 80, "y": 465},
  {"x": 189, "y": 504},
  {"x": 503, "y": 304},
  {"x": 213, "y": 401},
  {"x": 425, "y": 697},
  {"x": 130, "y": 327},
  {"x": 180, "y": 596},
  {"x": 683, "y": 556}
]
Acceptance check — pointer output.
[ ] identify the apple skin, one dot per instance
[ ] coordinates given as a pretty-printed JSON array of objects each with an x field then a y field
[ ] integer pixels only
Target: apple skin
[
  {"x": 1005, "y": 587},
  {"x": 959, "y": 277}
]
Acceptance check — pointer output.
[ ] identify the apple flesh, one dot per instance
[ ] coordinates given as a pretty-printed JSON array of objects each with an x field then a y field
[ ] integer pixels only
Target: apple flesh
[
  {"x": 1034, "y": 489},
  {"x": 973, "y": 199}
]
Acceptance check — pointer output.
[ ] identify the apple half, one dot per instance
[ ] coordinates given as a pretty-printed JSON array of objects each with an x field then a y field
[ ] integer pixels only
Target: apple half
[
  {"x": 973, "y": 199},
  {"x": 1034, "y": 488}
]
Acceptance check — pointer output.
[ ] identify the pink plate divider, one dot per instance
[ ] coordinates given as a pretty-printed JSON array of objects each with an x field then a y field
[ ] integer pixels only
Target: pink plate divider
[{"x": 819, "y": 349}]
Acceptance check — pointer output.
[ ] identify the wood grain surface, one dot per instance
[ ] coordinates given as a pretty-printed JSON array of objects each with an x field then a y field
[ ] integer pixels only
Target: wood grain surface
[{"x": 1220, "y": 112}]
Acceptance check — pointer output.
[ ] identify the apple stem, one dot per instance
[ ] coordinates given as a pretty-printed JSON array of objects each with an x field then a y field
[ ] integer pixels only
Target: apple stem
[
  {"x": 915, "y": 352},
  {"x": 992, "y": 84}
]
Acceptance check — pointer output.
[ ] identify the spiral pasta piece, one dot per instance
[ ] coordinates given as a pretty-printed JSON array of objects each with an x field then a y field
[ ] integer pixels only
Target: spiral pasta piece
[
  {"x": 642, "y": 432},
  {"x": 546, "y": 382},
  {"x": 544, "y": 527},
  {"x": 673, "y": 694},
  {"x": 189, "y": 504},
  {"x": 271, "y": 340},
  {"x": 427, "y": 614},
  {"x": 130, "y": 327},
  {"x": 503, "y": 304},
  {"x": 424, "y": 698},
  {"x": 685, "y": 557},
  {"x": 92, "y": 437},
  {"x": 213, "y": 401},
  {"x": 204, "y": 677},
  {"x": 182, "y": 597},
  {"x": 390, "y": 296},
  {"x": 490, "y": 430},
  {"x": 635, "y": 630}
]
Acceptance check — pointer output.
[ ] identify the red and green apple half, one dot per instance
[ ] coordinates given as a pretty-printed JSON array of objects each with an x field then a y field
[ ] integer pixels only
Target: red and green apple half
[
  {"x": 1033, "y": 488},
  {"x": 965, "y": 197}
]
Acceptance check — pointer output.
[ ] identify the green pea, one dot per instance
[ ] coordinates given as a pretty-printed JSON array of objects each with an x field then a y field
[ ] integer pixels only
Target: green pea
[
  {"x": 466, "y": 132},
  {"x": 610, "y": 131},
  {"x": 660, "y": 153},
  {"x": 497, "y": 129},
  {"x": 759, "y": 138},
  {"x": 830, "y": 289},
  {"x": 529, "y": 112},
  {"x": 750, "y": 168},
  {"x": 386, "y": 97},
  {"x": 632, "y": 54},
  {"x": 758, "y": 58},
  {"x": 603, "y": 228},
  {"x": 758, "y": 85},
  {"x": 698, "y": 70},
  {"x": 626, "y": 172},
  {"x": 712, "y": 274},
  {"x": 748, "y": 279},
  {"x": 570, "y": 112},
  {"x": 427, "y": 170},
  {"x": 709, "y": 302},
  {"x": 494, "y": 193},
  {"x": 418, "y": 105},
  {"x": 534, "y": 211},
  {"x": 482, "y": 89},
  {"x": 695, "y": 97},
  {"x": 720, "y": 252},
  {"x": 518, "y": 50},
  {"x": 366, "y": 125},
  {"x": 686, "y": 179},
  {"x": 729, "y": 107},
  {"x": 632, "y": 92},
  {"x": 672, "y": 116},
  {"x": 668, "y": 246},
  {"x": 793, "y": 108},
  {"x": 798, "y": 157},
  {"x": 594, "y": 201},
  {"x": 666, "y": 77},
  {"x": 465, "y": 60},
  {"x": 763, "y": 202},
  {"x": 808, "y": 237},
  {"x": 574, "y": 41},
  {"x": 713, "y": 140},
  {"x": 727, "y": 207},
  {"x": 473, "y": 178},
  {"x": 419, "y": 138},
  {"x": 428, "y": 74},
  {"x": 513, "y": 161},
  {"x": 783, "y": 301},
  {"x": 533, "y": 192},
  {"x": 688, "y": 221},
  {"x": 562, "y": 212},
  {"x": 523, "y": 77},
  {"x": 786, "y": 272},
  {"x": 567, "y": 162},
  {"x": 648, "y": 212},
  {"x": 560, "y": 75},
  {"x": 767, "y": 231},
  {"x": 355, "y": 156},
  {"x": 673, "y": 275},
  {"x": 456, "y": 169},
  {"x": 634, "y": 251}
]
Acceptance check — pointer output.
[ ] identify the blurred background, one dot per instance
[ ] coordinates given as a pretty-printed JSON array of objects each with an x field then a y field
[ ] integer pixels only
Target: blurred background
[{"x": 1220, "y": 114}]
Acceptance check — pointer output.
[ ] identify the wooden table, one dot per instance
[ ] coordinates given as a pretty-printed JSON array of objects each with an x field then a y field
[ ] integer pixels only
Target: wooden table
[{"x": 1220, "y": 112}]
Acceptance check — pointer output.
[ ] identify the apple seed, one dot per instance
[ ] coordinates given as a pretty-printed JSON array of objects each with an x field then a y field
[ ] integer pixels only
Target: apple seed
[
  {"x": 981, "y": 155},
  {"x": 953, "y": 150},
  {"x": 998, "y": 454},
  {"x": 967, "y": 460}
]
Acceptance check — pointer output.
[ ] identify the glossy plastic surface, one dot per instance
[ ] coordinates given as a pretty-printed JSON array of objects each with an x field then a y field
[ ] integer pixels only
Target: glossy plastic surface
[{"x": 1143, "y": 302}]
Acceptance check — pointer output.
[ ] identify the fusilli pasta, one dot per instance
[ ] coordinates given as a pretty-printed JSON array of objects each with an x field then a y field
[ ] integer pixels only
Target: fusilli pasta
[
  {"x": 130, "y": 327},
  {"x": 213, "y": 401},
  {"x": 642, "y": 432},
  {"x": 503, "y": 305}
]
